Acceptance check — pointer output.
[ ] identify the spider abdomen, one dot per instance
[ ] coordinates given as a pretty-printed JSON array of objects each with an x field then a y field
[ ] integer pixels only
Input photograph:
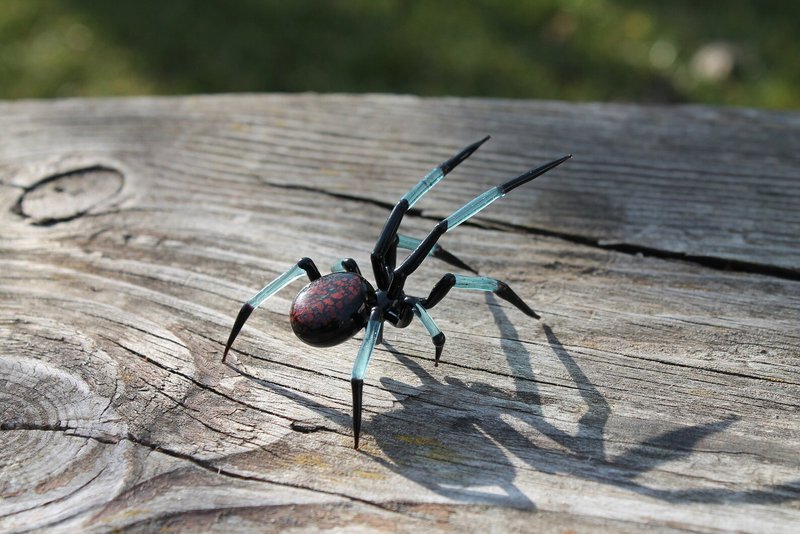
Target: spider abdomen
[{"x": 331, "y": 309}]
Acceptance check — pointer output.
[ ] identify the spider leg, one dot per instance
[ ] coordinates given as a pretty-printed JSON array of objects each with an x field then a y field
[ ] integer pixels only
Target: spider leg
[
  {"x": 410, "y": 243},
  {"x": 371, "y": 334},
  {"x": 387, "y": 240},
  {"x": 470, "y": 209},
  {"x": 303, "y": 267},
  {"x": 480, "y": 283},
  {"x": 345, "y": 265},
  {"x": 436, "y": 335},
  {"x": 390, "y": 259}
]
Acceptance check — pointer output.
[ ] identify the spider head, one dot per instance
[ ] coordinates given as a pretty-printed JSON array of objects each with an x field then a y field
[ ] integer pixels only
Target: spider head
[{"x": 331, "y": 309}]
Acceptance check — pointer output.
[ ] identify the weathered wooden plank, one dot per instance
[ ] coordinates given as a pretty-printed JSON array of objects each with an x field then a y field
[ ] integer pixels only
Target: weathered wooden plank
[
  {"x": 711, "y": 183},
  {"x": 653, "y": 394}
]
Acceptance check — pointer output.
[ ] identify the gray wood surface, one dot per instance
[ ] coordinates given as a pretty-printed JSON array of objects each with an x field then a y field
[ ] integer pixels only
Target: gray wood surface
[{"x": 660, "y": 391}]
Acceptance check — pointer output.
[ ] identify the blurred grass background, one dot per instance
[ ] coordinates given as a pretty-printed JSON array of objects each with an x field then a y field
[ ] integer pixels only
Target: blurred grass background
[{"x": 742, "y": 53}]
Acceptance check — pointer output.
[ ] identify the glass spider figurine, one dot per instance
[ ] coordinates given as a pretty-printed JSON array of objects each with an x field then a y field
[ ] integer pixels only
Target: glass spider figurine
[{"x": 333, "y": 308}]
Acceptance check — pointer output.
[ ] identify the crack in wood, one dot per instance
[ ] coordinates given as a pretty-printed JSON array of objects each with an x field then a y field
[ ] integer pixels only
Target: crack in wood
[
  {"x": 631, "y": 249},
  {"x": 8, "y": 426},
  {"x": 211, "y": 467},
  {"x": 61, "y": 498},
  {"x": 192, "y": 380}
]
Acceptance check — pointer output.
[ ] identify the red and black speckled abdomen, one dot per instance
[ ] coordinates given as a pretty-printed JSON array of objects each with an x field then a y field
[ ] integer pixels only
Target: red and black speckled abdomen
[{"x": 332, "y": 309}]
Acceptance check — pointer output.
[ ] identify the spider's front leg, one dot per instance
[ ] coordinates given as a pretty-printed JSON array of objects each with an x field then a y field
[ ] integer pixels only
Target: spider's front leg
[
  {"x": 383, "y": 255},
  {"x": 440, "y": 290},
  {"x": 303, "y": 267},
  {"x": 371, "y": 335},
  {"x": 467, "y": 211},
  {"x": 436, "y": 335}
]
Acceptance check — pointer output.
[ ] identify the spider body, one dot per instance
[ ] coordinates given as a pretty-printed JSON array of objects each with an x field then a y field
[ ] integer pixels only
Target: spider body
[{"x": 333, "y": 308}]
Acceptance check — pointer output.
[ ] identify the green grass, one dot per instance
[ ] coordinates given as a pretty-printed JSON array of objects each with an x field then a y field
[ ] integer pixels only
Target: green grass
[{"x": 606, "y": 50}]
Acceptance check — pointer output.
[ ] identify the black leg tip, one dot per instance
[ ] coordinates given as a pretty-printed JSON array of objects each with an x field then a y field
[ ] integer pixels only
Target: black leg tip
[
  {"x": 358, "y": 389},
  {"x": 507, "y": 294},
  {"x": 447, "y": 257},
  {"x": 244, "y": 313},
  {"x": 531, "y": 174},
  {"x": 438, "y": 342},
  {"x": 453, "y": 162}
]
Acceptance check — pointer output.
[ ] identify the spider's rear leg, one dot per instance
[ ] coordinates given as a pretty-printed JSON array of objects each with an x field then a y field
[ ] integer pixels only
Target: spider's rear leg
[
  {"x": 345, "y": 265},
  {"x": 436, "y": 335},
  {"x": 411, "y": 243},
  {"x": 480, "y": 283},
  {"x": 303, "y": 267}
]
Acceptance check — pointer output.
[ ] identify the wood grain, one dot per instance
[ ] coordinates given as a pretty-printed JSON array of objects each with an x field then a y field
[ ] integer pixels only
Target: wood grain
[{"x": 654, "y": 394}]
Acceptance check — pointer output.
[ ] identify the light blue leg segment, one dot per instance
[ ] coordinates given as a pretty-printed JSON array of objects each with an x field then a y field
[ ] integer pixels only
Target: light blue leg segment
[
  {"x": 410, "y": 243},
  {"x": 360, "y": 368},
  {"x": 367, "y": 346},
  {"x": 480, "y": 283},
  {"x": 436, "y": 335},
  {"x": 345, "y": 265},
  {"x": 477, "y": 283},
  {"x": 427, "y": 320},
  {"x": 276, "y": 285},
  {"x": 424, "y": 185},
  {"x": 473, "y": 207},
  {"x": 483, "y": 200},
  {"x": 304, "y": 267},
  {"x": 470, "y": 209}
]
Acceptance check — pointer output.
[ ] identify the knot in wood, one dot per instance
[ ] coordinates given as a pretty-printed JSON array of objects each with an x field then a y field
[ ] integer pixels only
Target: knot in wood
[{"x": 69, "y": 195}]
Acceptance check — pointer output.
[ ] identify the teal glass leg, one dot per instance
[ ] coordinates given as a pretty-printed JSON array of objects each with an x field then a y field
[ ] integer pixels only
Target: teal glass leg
[
  {"x": 477, "y": 283},
  {"x": 345, "y": 265},
  {"x": 473, "y": 207},
  {"x": 436, "y": 175},
  {"x": 365, "y": 352},
  {"x": 480, "y": 283},
  {"x": 386, "y": 244},
  {"x": 436, "y": 335},
  {"x": 276, "y": 285},
  {"x": 360, "y": 368},
  {"x": 423, "y": 186},
  {"x": 470, "y": 209},
  {"x": 410, "y": 243},
  {"x": 305, "y": 267}
]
